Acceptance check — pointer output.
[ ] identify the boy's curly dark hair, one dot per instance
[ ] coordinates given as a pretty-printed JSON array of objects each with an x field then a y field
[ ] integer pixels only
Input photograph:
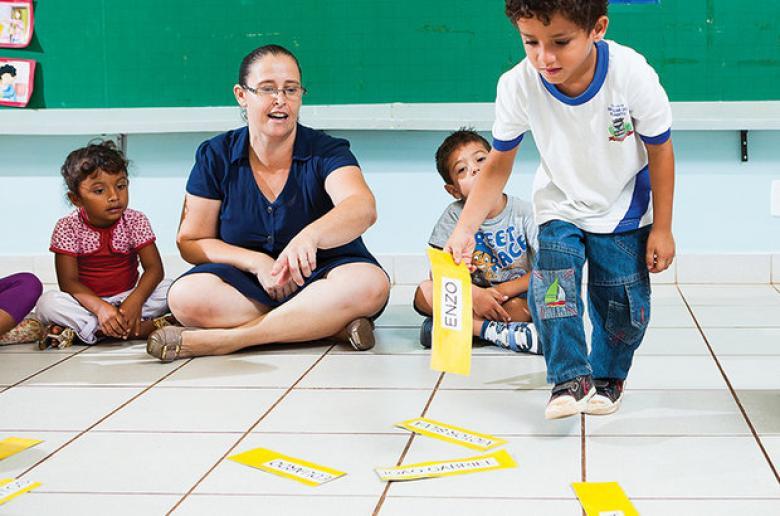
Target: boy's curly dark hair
[
  {"x": 584, "y": 13},
  {"x": 81, "y": 163},
  {"x": 8, "y": 69},
  {"x": 452, "y": 143}
]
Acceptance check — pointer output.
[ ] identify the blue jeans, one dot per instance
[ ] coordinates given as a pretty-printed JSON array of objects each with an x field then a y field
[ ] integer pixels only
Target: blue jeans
[{"x": 618, "y": 300}]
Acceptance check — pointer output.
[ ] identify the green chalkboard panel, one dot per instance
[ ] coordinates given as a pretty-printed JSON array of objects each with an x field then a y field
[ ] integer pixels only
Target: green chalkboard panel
[{"x": 180, "y": 53}]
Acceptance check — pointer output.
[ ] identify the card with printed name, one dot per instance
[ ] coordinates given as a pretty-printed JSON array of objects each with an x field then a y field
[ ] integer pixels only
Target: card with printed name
[
  {"x": 451, "y": 434},
  {"x": 603, "y": 499},
  {"x": 496, "y": 460},
  {"x": 10, "y": 488},
  {"x": 13, "y": 445},
  {"x": 452, "y": 317},
  {"x": 299, "y": 470}
]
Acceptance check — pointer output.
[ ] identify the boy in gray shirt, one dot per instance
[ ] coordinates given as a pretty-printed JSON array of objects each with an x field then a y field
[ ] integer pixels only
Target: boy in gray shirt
[{"x": 506, "y": 245}]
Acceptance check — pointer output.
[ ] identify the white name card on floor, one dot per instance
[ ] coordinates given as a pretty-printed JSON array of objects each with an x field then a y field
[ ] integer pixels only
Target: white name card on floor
[
  {"x": 299, "y": 470},
  {"x": 451, "y": 434},
  {"x": 497, "y": 460},
  {"x": 10, "y": 488}
]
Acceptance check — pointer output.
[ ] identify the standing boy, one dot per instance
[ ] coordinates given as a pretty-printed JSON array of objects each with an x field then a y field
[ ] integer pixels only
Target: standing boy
[{"x": 602, "y": 124}]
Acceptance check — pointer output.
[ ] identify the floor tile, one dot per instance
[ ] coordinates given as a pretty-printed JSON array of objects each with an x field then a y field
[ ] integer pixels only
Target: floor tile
[
  {"x": 15, "y": 465},
  {"x": 390, "y": 341},
  {"x": 57, "y": 408},
  {"x": 666, "y": 295},
  {"x": 738, "y": 316},
  {"x": 242, "y": 370},
  {"x": 698, "y": 412},
  {"x": 702, "y": 466},
  {"x": 730, "y": 295},
  {"x": 744, "y": 341},
  {"x": 675, "y": 316},
  {"x": 99, "y": 370},
  {"x": 404, "y": 506},
  {"x": 518, "y": 412},
  {"x": 193, "y": 410},
  {"x": 372, "y": 371},
  {"x": 345, "y": 411},
  {"x": 752, "y": 372},
  {"x": 32, "y": 347},
  {"x": 88, "y": 504},
  {"x": 545, "y": 468},
  {"x": 673, "y": 341},
  {"x": 132, "y": 463},
  {"x": 399, "y": 315},
  {"x": 772, "y": 446},
  {"x": 15, "y": 367},
  {"x": 357, "y": 455},
  {"x": 197, "y": 505},
  {"x": 511, "y": 371},
  {"x": 721, "y": 507},
  {"x": 763, "y": 409},
  {"x": 670, "y": 372}
]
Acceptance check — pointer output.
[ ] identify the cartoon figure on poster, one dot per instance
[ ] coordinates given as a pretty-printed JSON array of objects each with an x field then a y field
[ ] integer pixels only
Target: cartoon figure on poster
[
  {"x": 16, "y": 81},
  {"x": 16, "y": 23}
]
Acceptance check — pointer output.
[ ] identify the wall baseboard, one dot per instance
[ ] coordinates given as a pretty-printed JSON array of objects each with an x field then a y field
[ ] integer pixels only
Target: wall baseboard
[{"x": 410, "y": 269}]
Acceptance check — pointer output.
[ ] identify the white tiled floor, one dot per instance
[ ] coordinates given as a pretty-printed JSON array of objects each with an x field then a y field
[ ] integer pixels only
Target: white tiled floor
[{"x": 125, "y": 435}]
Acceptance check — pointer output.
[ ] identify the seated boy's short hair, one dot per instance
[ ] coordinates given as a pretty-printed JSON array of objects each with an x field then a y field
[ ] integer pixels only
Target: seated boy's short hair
[
  {"x": 583, "y": 13},
  {"x": 452, "y": 143},
  {"x": 98, "y": 154}
]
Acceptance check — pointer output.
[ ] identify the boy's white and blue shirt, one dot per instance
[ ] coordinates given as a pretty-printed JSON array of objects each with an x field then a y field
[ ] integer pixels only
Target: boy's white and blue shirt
[
  {"x": 593, "y": 162},
  {"x": 505, "y": 245}
]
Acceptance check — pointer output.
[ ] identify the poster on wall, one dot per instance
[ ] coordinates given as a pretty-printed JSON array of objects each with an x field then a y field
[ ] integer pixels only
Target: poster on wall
[
  {"x": 16, "y": 81},
  {"x": 16, "y": 23}
]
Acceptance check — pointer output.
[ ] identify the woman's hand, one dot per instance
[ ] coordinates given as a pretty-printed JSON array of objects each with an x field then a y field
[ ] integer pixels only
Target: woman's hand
[
  {"x": 486, "y": 303},
  {"x": 112, "y": 322},
  {"x": 262, "y": 270},
  {"x": 297, "y": 261}
]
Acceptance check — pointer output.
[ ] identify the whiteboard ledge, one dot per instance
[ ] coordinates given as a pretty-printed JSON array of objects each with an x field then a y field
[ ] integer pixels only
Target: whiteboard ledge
[{"x": 688, "y": 116}]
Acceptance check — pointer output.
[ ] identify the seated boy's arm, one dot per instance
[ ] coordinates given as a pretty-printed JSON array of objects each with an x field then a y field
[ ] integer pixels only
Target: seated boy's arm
[
  {"x": 514, "y": 287},
  {"x": 153, "y": 274}
]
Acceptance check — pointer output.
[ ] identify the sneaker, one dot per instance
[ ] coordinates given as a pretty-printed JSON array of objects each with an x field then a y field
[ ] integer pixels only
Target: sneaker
[
  {"x": 570, "y": 398},
  {"x": 426, "y": 330},
  {"x": 609, "y": 392}
]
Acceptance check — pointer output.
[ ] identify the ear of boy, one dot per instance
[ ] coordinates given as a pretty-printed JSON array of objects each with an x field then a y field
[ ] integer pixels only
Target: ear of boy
[
  {"x": 75, "y": 200},
  {"x": 454, "y": 191}
]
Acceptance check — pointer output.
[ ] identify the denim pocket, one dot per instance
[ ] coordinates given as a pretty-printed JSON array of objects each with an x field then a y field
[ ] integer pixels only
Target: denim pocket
[
  {"x": 555, "y": 293},
  {"x": 629, "y": 312}
]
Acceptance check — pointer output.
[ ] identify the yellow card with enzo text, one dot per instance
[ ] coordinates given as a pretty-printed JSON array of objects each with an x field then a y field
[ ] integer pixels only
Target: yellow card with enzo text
[
  {"x": 603, "y": 499},
  {"x": 451, "y": 434},
  {"x": 496, "y": 460},
  {"x": 452, "y": 322},
  {"x": 10, "y": 488},
  {"x": 300, "y": 470},
  {"x": 13, "y": 445}
]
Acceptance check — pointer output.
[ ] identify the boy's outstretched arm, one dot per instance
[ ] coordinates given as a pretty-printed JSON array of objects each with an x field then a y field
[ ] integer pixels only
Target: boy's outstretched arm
[
  {"x": 153, "y": 274},
  {"x": 488, "y": 186},
  {"x": 660, "y": 243}
]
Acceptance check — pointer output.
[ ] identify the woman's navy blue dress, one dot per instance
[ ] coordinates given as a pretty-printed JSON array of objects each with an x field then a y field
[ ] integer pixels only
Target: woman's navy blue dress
[{"x": 247, "y": 219}]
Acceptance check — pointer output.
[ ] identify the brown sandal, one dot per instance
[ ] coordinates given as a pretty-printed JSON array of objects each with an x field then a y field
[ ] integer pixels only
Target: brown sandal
[
  {"x": 360, "y": 334},
  {"x": 63, "y": 339},
  {"x": 165, "y": 343}
]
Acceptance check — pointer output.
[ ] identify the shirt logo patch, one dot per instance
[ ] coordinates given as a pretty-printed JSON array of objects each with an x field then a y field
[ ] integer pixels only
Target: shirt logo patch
[{"x": 620, "y": 126}]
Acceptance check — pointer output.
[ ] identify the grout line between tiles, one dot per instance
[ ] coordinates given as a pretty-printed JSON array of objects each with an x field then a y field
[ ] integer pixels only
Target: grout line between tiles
[
  {"x": 733, "y": 392},
  {"x": 67, "y": 357},
  {"x": 249, "y": 431},
  {"x": 383, "y": 497},
  {"x": 93, "y": 425}
]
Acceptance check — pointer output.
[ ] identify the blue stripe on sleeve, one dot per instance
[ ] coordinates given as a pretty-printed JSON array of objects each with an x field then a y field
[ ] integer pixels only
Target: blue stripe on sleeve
[
  {"x": 657, "y": 140},
  {"x": 507, "y": 145}
]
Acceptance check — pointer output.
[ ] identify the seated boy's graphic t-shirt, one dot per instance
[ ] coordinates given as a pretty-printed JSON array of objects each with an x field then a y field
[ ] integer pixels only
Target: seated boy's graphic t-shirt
[
  {"x": 506, "y": 244},
  {"x": 593, "y": 168}
]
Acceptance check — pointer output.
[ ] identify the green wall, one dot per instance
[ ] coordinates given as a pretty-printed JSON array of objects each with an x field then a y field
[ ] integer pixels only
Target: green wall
[{"x": 168, "y": 53}]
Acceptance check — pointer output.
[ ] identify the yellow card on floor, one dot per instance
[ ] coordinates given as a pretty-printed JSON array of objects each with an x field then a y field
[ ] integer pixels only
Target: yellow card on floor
[
  {"x": 13, "y": 445},
  {"x": 452, "y": 321},
  {"x": 300, "y": 470},
  {"x": 10, "y": 488},
  {"x": 496, "y": 460},
  {"x": 451, "y": 434},
  {"x": 603, "y": 499}
]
